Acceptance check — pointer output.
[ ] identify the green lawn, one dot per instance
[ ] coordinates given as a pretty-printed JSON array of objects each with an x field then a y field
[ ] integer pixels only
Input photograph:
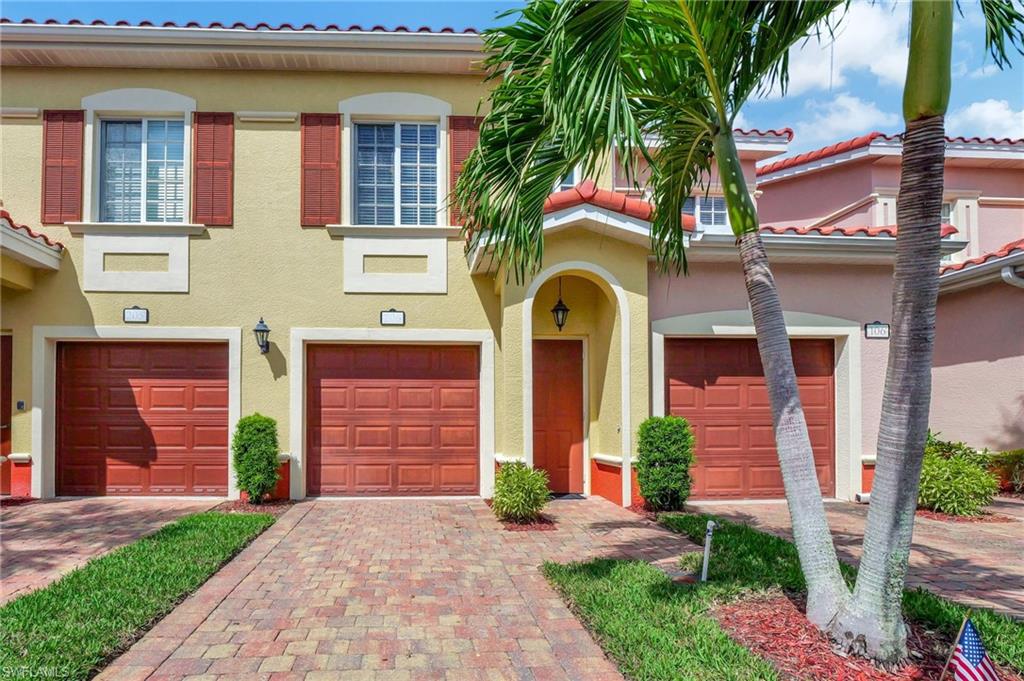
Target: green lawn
[
  {"x": 655, "y": 629},
  {"x": 70, "y": 628}
]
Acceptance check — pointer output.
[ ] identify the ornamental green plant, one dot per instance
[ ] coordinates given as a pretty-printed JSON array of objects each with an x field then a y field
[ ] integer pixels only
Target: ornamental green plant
[
  {"x": 1010, "y": 466},
  {"x": 520, "y": 493},
  {"x": 665, "y": 455},
  {"x": 254, "y": 450},
  {"x": 955, "y": 485}
]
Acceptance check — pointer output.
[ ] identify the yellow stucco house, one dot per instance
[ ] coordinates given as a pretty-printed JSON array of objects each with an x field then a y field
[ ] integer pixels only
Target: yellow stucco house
[{"x": 168, "y": 190}]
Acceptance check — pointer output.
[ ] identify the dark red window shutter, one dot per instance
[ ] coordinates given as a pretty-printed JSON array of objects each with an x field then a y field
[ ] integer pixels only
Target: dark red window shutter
[
  {"x": 213, "y": 160},
  {"x": 321, "y": 169},
  {"x": 62, "y": 166},
  {"x": 463, "y": 133}
]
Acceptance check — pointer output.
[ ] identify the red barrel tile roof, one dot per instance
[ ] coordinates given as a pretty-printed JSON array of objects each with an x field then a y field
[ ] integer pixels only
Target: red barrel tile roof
[
  {"x": 588, "y": 192},
  {"x": 239, "y": 26},
  {"x": 41, "y": 238},
  {"x": 855, "y": 230},
  {"x": 1002, "y": 252},
  {"x": 864, "y": 141}
]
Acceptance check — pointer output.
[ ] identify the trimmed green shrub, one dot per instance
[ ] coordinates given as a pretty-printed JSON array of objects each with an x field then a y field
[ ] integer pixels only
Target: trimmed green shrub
[
  {"x": 520, "y": 493},
  {"x": 665, "y": 455},
  {"x": 947, "y": 449},
  {"x": 1010, "y": 467},
  {"x": 956, "y": 485},
  {"x": 254, "y": 449}
]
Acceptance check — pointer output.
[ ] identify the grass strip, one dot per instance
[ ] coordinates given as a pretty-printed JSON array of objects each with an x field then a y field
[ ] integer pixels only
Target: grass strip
[
  {"x": 744, "y": 558},
  {"x": 653, "y": 629},
  {"x": 69, "y": 628}
]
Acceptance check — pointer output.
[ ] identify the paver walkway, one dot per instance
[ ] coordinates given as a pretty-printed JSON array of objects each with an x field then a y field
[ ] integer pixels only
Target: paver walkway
[
  {"x": 402, "y": 589},
  {"x": 43, "y": 540},
  {"x": 980, "y": 564}
]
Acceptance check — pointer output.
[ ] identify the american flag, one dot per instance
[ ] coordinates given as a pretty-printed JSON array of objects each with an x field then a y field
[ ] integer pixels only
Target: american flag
[{"x": 970, "y": 661}]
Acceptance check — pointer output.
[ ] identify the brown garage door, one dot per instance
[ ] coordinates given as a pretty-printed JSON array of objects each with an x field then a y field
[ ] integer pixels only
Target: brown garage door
[
  {"x": 392, "y": 420},
  {"x": 718, "y": 385},
  {"x": 142, "y": 418}
]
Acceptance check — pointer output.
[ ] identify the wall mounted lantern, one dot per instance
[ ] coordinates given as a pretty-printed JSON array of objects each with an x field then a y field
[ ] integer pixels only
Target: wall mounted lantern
[
  {"x": 560, "y": 310},
  {"x": 262, "y": 333}
]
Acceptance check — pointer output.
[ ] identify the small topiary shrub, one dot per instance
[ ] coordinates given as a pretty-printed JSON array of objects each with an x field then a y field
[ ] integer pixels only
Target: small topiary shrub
[
  {"x": 520, "y": 493},
  {"x": 665, "y": 455},
  {"x": 254, "y": 450},
  {"x": 948, "y": 449},
  {"x": 956, "y": 485}
]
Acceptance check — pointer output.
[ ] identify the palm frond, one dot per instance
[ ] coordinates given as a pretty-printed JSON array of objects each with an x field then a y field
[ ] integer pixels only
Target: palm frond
[{"x": 1004, "y": 29}]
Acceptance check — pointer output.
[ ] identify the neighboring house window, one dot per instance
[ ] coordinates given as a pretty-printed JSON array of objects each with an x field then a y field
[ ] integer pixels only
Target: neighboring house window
[
  {"x": 396, "y": 166},
  {"x": 142, "y": 173},
  {"x": 690, "y": 206},
  {"x": 569, "y": 181},
  {"x": 712, "y": 211},
  {"x": 947, "y": 213}
]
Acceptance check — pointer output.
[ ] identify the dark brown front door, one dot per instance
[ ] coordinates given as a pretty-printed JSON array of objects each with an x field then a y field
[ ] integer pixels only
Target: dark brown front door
[
  {"x": 393, "y": 420},
  {"x": 558, "y": 413},
  {"x": 5, "y": 413},
  {"x": 142, "y": 418},
  {"x": 718, "y": 386}
]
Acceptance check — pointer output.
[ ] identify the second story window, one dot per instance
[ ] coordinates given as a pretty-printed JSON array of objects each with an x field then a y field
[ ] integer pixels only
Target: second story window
[
  {"x": 712, "y": 211},
  {"x": 142, "y": 173},
  {"x": 396, "y": 174},
  {"x": 568, "y": 182}
]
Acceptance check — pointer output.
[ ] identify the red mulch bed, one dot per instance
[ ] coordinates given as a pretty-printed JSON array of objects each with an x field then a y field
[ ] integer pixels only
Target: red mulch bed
[
  {"x": 16, "y": 501},
  {"x": 276, "y": 507},
  {"x": 642, "y": 510},
  {"x": 541, "y": 524},
  {"x": 985, "y": 517},
  {"x": 774, "y": 627}
]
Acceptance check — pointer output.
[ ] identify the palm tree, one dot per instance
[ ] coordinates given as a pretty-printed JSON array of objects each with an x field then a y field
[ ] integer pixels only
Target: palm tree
[
  {"x": 873, "y": 623},
  {"x": 582, "y": 77}
]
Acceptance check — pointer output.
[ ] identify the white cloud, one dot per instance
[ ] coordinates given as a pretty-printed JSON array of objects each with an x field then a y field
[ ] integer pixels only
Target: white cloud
[
  {"x": 741, "y": 122},
  {"x": 984, "y": 71},
  {"x": 868, "y": 38},
  {"x": 988, "y": 118},
  {"x": 842, "y": 117}
]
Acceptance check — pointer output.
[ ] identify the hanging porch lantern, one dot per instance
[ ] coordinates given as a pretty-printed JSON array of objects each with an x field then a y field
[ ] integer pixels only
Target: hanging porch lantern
[{"x": 560, "y": 311}]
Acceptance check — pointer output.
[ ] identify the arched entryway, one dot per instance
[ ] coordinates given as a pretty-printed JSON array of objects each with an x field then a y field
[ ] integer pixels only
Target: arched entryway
[{"x": 576, "y": 383}]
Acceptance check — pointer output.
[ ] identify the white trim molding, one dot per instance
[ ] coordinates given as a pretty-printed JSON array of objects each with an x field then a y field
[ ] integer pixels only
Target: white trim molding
[
  {"x": 625, "y": 426},
  {"x": 393, "y": 106},
  {"x": 172, "y": 280},
  {"x": 267, "y": 116},
  {"x": 433, "y": 280},
  {"x": 302, "y": 337},
  {"x": 19, "y": 246},
  {"x": 505, "y": 458},
  {"x": 606, "y": 459},
  {"x": 20, "y": 457},
  {"x": 19, "y": 112},
  {"x": 44, "y": 384},
  {"x": 136, "y": 102},
  {"x": 739, "y": 324}
]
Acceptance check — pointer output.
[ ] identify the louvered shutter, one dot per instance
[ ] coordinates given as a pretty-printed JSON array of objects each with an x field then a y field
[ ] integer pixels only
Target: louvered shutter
[
  {"x": 62, "y": 166},
  {"x": 213, "y": 154},
  {"x": 321, "y": 168},
  {"x": 463, "y": 133}
]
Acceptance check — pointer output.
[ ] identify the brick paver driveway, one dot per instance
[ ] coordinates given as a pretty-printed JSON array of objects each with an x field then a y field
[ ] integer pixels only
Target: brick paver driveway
[
  {"x": 43, "y": 540},
  {"x": 396, "y": 589},
  {"x": 980, "y": 564}
]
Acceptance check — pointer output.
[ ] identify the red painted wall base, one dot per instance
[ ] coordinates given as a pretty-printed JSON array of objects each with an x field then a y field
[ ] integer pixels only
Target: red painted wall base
[
  {"x": 21, "y": 479},
  {"x": 867, "y": 476},
  {"x": 283, "y": 488}
]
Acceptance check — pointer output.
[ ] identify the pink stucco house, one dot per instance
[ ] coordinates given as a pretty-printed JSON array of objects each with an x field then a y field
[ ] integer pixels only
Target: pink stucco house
[{"x": 978, "y": 389}]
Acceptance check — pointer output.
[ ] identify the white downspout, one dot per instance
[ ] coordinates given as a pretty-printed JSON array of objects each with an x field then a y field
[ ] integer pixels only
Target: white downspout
[{"x": 1011, "y": 277}]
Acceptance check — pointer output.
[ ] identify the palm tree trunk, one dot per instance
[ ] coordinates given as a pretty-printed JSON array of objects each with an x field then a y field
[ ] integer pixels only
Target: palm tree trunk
[
  {"x": 873, "y": 624},
  {"x": 826, "y": 591}
]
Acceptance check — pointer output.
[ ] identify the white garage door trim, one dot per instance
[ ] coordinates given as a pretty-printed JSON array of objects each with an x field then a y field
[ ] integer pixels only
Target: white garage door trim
[
  {"x": 301, "y": 337},
  {"x": 44, "y": 384},
  {"x": 739, "y": 324}
]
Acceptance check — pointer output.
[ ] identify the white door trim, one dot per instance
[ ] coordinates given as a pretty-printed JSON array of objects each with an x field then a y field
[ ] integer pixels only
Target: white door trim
[
  {"x": 44, "y": 384},
  {"x": 625, "y": 427},
  {"x": 847, "y": 367},
  {"x": 301, "y": 337}
]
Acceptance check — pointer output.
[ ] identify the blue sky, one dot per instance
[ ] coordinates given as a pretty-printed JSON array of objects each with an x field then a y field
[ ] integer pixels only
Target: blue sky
[{"x": 839, "y": 89}]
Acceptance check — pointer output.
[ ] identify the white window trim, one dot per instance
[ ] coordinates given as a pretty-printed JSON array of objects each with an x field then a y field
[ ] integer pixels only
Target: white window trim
[
  {"x": 397, "y": 169},
  {"x": 697, "y": 211},
  {"x": 132, "y": 103},
  {"x": 145, "y": 120},
  {"x": 392, "y": 107},
  {"x": 434, "y": 280},
  {"x": 577, "y": 171}
]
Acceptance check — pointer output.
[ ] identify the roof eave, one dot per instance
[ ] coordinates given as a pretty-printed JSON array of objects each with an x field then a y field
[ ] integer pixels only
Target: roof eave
[{"x": 978, "y": 275}]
